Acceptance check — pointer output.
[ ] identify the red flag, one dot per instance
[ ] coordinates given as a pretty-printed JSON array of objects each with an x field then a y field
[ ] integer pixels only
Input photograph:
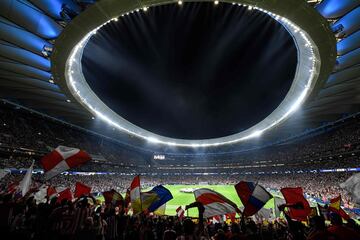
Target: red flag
[
  {"x": 81, "y": 189},
  {"x": 62, "y": 159},
  {"x": 66, "y": 194},
  {"x": 298, "y": 205},
  {"x": 50, "y": 191}
]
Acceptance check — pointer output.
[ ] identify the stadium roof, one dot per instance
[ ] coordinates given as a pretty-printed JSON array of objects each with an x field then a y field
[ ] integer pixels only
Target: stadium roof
[{"x": 29, "y": 30}]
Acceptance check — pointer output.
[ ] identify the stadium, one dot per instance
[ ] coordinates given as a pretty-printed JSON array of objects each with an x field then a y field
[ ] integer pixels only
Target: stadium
[{"x": 180, "y": 119}]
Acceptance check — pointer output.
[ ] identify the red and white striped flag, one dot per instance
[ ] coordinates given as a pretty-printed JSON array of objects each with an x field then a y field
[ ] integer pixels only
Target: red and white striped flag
[
  {"x": 180, "y": 212},
  {"x": 62, "y": 159},
  {"x": 135, "y": 195},
  {"x": 214, "y": 203}
]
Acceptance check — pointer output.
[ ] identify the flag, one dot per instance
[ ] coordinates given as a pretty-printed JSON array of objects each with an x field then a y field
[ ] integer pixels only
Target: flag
[
  {"x": 217, "y": 219},
  {"x": 335, "y": 206},
  {"x": 253, "y": 196},
  {"x": 40, "y": 195},
  {"x": 299, "y": 207},
  {"x": 12, "y": 187},
  {"x": 335, "y": 203},
  {"x": 81, "y": 189},
  {"x": 135, "y": 196},
  {"x": 51, "y": 191},
  {"x": 26, "y": 181},
  {"x": 214, "y": 203},
  {"x": 352, "y": 185},
  {"x": 154, "y": 198},
  {"x": 278, "y": 202},
  {"x": 161, "y": 210},
  {"x": 265, "y": 213},
  {"x": 62, "y": 159},
  {"x": 180, "y": 212},
  {"x": 343, "y": 214},
  {"x": 66, "y": 194},
  {"x": 113, "y": 197}
]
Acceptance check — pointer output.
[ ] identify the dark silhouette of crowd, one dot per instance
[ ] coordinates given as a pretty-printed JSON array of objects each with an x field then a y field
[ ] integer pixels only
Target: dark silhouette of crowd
[{"x": 87, "y": 219}]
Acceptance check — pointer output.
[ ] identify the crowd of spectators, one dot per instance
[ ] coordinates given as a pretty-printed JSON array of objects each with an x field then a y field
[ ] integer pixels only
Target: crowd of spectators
[
  {"x": 31, "y": 133},
  {"x": 27, "y": 136},
  {"x": 320, "y": 186}
]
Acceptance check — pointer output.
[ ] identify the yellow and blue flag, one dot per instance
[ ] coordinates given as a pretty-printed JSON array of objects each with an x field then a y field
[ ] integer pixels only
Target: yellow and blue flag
[{"x": 155, "y": 198}]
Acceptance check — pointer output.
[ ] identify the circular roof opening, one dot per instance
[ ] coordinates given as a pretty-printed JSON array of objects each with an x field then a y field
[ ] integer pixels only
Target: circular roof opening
[
  {"x": 68, "y": 65},
  {"x": 196, "y": 71}
]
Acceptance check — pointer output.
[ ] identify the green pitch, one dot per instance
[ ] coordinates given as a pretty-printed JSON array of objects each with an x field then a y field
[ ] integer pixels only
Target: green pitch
[{"x": 183, "y": 199}]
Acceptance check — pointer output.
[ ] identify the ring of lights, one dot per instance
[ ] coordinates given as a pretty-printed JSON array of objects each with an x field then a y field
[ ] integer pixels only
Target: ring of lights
[{"x": 314, "y": 42}]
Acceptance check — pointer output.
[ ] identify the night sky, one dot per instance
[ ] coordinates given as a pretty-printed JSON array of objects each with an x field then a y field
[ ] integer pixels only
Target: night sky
[{"x": 194, "y": 71}]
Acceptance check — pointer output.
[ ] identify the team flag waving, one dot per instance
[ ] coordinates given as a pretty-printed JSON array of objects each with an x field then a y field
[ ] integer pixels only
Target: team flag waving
[
  {"x": 253, "y": 196},
  {"x": 161, "y": 210},
  {"x": 81, "y": 189},
  {"x": 335, "y": 203},
  {"x": 335, "y": 206},
  {"x": 299, "y": 207},
  {"x": 155, "y": 198},
  {"x": 214, "y": 203},
  {"x": 113, "y": 197},
  {"x": 135, "y": 195},
  {"x": 62, "y": 159},
  {"x": 66, "y": 194},
  {"x": 180, "y": 213},
  {"x": 26, "y": 181}
]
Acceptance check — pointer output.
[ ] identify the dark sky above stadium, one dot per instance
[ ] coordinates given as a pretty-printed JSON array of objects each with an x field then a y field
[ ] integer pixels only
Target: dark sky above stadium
[{"x": 194, "y": 71}]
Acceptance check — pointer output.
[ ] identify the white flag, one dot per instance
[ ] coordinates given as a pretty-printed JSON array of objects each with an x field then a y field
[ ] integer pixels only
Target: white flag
[
  {"x": 26, "y": 182},
  {"x": 352, "y": 185}
]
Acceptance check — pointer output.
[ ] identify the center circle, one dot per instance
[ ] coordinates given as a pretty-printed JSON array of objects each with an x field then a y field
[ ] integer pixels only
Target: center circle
[{"x": 195, "y": 71}]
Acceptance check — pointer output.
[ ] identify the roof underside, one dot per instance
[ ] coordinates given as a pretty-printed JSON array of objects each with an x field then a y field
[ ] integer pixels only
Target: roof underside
[{"x": 29, "y": 29}]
